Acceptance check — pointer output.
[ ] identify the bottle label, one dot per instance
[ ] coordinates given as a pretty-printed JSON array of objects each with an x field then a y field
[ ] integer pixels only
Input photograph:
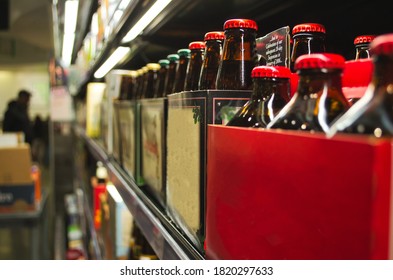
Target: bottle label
[
  {"x": 126, "y": 130},
  {"x": 274, "y": 47},
  {"x": 152, "y": 137}
]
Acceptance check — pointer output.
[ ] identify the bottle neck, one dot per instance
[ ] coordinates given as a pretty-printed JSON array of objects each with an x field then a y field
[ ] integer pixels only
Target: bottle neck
[
  {"x": 210, "y": 64},
  {"x": 170, "y": 77},
  {"x": 315, "y": 82},
  {"x": 239, "y": 57},
  {"x": 263, "y": 88},
  {"x": 196, "y": 55},
  {"x": 307, "y": 43},
  {"x": 194, "y": 69},
  {"x": 382, "y": 75},
  {"x": 240, "y": 45},
  {"x": 181, "y": 72},
  {"x": 362, "y": 51},
  {"x": 213, "y": 53}
]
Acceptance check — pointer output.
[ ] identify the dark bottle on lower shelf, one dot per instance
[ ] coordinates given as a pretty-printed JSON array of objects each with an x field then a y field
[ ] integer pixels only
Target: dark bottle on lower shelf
[{"x": 271, "y": 91}]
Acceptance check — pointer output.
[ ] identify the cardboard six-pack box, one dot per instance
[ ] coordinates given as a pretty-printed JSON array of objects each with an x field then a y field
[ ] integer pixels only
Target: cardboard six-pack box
[
  {"x": 296, "y": 195},
  {"x": 153, "y": 115},
  {"x": 127, "y": 138},
  {"x": 189, "y": 113}
]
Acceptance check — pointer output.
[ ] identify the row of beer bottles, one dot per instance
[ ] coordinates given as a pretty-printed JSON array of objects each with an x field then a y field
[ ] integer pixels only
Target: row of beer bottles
[
  {"x": 224, "y": 60},
  {"x": 319, "y": 103}
]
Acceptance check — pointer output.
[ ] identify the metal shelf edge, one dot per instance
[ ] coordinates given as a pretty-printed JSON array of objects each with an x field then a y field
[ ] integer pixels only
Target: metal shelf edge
[{"x": 164, "y": 244}]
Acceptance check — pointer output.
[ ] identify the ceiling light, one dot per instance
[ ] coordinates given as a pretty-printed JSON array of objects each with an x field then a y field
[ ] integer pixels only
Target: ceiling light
[
  {"x": 70, "y": 16},
  {"x": 70, "y": 19},
  {"x": 145, "y": 20},
  {"x": 68, "y": 45},
  {"x": 115, "y": 57}
]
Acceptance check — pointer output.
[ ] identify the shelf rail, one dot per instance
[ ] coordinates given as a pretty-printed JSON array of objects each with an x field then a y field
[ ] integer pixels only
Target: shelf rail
[{"x": 160, "y": 231}]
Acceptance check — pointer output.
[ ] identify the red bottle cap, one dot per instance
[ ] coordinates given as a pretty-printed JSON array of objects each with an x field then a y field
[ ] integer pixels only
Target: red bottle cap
[
  {"x": 382, "y": 44},
  {"x": 271, "y": 72},
  {"x": 196, "y": 45},
  {"x": 320, "y": 60},
  {"x": 240, "y": 23},
  {"x": 308, "y": 27},
  {"x": 362, "y": 39},
  {"x": 214, "y": 35}
]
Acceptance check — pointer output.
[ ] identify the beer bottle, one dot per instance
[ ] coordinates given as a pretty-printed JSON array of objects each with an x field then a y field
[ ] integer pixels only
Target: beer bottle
[
  {"x": 171, "y": 75},
  {"x": 139, "y": 83},
  {"x": 307, "y": 38},
  {"x": 181, "y": 69},
  {"x": 239, "y": 55},
  {"x": 271, "y": 89},
  {"x": 151, "y": 79},
  {"x": 213, "y": 52},
  {"x": 160, "y": 84},
  {"x": 193, "y": 72},
  {"x": 319, "y": 99},
  {"x": 362, "y": 46},
  {"x": 144, "y": 81},
  {"x": 373, "y": 113},
  {"x": 127, "y": 84}
]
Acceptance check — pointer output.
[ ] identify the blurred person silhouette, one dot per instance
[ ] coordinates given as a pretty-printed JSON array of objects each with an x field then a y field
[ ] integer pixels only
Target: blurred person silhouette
[
  {"x": 16, "y": 117},
  {"x": 41, "y": 139}
]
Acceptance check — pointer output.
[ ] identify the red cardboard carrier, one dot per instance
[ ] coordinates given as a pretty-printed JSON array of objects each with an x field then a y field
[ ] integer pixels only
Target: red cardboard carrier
[{"x": 276, "y": 195}]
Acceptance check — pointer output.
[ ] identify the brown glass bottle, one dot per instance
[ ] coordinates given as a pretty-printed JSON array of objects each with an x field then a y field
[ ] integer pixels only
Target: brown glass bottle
[
  {"x": 139, "y": 84},
  {"x": 211, "y": 61},
  {"x": 151, "y": 79},
  {"x": 181, "y": 70},
  {"x": 171, "y": 75},
  {"x": 319, "y": 99},
  {"x": 127, "y": 84},
  {"x": 239, "y": 55},
  {"x": 160, "y": 85},
  {"x": 131, "y": 85},
  {"x": 271, "y": 89},
  {"x": 194, "y": 67},
  {"x": 362, "y": 46},
  {"x": 308, "y": 38},
  {"x": 373, "y": 113},
  {"x": 144, "y": 82}
]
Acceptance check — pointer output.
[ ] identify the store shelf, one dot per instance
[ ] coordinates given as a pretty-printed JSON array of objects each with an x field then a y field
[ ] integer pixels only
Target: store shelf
[
  {"x": 34, "y": 223},
  {"x": 180, "y": 23},
  {"x": 131, "y": 15},
  {"x": 160, "y": 231}
]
